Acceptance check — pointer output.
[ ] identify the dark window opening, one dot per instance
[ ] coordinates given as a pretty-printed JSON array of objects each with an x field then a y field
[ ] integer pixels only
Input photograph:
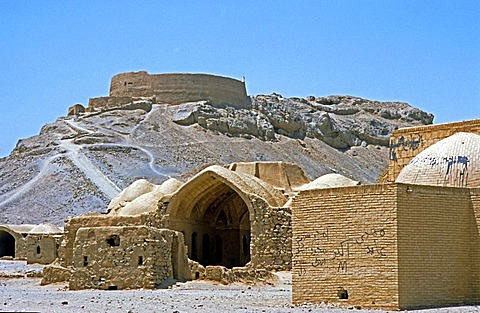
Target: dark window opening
[
  {"x": 218, "y": 249},
  {"x": 197, "y": 275},
  {"x": 112, "y": 287},
  {"x": 38, "y": 250},
  {"x": 194, "y": 246},
  {"x": 140, "y": 260},
  {"x": 113, "y": 241},
  {"x": 222, "y": 220},
  {"x": 245, "y": 245},
  {"x": 85, "y": 260},
  {"x": 342, "y": 294},
  {"x": 206, "y": 248}
]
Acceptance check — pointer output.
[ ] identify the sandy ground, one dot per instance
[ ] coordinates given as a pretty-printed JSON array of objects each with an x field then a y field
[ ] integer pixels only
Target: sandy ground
[{"x": 24, "y": 294}]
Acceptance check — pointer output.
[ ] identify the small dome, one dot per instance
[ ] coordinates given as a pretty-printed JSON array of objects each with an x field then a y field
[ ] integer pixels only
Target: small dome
[
  {"x": 46, "y": 228},
  {"x": 329, "y": 181},
  {"x": 169, "y": 186},
  {"x": 451, "y": 162}
]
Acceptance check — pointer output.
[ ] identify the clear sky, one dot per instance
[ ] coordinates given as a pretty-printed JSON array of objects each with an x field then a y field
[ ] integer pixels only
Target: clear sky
[{"x": 57, "y": 53}]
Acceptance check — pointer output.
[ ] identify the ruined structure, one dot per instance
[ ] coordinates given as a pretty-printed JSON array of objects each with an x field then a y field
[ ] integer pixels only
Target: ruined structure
[
  {"x": 130, "y": 90},
  {"x": 410, "y": 243},
  {"x": 222, "y": 219},
  {"x": 34, "y": 243}
]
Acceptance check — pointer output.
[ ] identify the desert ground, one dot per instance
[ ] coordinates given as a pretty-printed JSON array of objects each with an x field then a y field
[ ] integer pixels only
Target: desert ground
[{"x": 20, "y": 291}]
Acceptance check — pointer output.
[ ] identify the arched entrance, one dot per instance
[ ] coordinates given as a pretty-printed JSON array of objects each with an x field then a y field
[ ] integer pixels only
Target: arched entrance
[
  {"x": 224, "y": 224},
  {"x": 216, "y": 224},
  {"x": 7, "y": 244}
]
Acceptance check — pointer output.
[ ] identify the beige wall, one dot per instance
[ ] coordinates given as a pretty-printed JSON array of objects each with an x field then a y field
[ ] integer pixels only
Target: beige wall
[
  {"x": 128, "y": 257},
  {"x": 179, "y": 88},
  {"x": 42, "y": 248},
  {"x": 437, "y": 247},
  {"x": 391, "y": 246},
  {"x": 406, "y": 143},
  {"x": 346, "y": 238}
]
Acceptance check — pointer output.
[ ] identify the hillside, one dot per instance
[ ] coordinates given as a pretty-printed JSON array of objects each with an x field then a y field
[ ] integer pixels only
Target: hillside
[{"x": 78, "y": 163}]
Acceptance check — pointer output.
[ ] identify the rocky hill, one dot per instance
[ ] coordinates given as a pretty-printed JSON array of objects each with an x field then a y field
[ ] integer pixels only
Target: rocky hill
[{"x": 78, "y": 163}]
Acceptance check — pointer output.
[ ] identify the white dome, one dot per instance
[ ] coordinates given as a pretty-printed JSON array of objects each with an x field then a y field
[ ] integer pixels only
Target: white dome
[
  {"x": 452, "y": 162},
  {"x": 329, "y": 181}
]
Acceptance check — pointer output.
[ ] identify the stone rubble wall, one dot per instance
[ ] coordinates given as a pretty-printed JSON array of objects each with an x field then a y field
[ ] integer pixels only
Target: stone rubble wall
[{"x": 271, "y": 237}]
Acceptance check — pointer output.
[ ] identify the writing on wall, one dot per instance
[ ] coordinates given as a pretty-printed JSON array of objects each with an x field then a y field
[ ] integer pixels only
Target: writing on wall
[{"x": 334, "y": 252}]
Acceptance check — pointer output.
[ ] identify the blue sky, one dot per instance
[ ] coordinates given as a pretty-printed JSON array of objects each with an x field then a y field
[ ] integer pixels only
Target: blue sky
[{"x": 57, "y": 53}]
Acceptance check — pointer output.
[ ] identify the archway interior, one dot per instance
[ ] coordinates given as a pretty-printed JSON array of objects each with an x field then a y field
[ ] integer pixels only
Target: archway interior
[
  {"x": 7, "y": 244},
  {"x": 217, "y": 230}
]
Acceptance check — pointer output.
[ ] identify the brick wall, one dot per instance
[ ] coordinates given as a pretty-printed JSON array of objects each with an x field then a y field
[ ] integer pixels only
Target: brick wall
[
  {"x": 345, "y": 239},
  {"x": 437, "y": 247},
  {"x": 406, "y": 143}
]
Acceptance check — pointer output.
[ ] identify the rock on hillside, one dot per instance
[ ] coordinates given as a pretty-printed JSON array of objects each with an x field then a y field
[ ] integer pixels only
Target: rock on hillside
[{"x": 78, "y": 163}]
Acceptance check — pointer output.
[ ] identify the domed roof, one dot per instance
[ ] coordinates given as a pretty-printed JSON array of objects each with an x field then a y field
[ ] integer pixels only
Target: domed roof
[
  {"x": 329, "y": 181},
  {"x": 452, "y": 162},
  {"x": 46, "y": 228}
]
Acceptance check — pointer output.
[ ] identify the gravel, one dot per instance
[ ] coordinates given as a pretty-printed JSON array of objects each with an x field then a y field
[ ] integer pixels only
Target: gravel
[{"x": 24, "y": 294}]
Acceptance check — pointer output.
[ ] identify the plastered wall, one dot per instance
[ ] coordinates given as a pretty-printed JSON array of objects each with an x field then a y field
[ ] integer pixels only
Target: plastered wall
[{"x": 406, "y": 143}]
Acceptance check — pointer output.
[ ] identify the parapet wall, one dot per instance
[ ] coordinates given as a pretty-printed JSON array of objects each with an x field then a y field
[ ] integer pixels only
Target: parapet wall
[
  {"x": 406, "y": 143},
  {"x": 180, "y": 88}
]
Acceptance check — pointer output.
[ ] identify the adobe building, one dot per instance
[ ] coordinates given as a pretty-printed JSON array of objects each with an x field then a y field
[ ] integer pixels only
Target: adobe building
[
  {"x": 34, "y": 243},
  {"x": 226, "y": 223},
  {"x": 131, "y": 90},
  {"x": 410, "y": 243}
]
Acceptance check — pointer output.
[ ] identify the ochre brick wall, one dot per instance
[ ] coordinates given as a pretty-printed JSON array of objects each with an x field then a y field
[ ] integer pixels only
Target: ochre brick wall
[
  {"x": 345, "y": 238},
  {"x": 406, "y": 143},
  {"x": 437, "y": 247}
]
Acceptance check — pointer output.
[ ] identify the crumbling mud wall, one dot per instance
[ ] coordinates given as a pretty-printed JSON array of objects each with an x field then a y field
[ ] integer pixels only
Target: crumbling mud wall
[
  {"x": 406, "y": 143},
  {"x": 129, "y": 257},
  {"x": 155, "y": 219},
  {"x": 42, "y": 248},
  {"x": 180, "y": 88}
]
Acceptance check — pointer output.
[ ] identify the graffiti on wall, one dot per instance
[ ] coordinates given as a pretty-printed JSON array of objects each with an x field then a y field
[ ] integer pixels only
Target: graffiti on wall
[
  {"x": 412, "y": 143},
  {"x": 331, "y": 254}
]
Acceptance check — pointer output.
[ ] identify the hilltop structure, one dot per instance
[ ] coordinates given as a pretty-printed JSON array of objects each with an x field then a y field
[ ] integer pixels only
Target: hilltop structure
[
  {"x": 130, "y": 90},
  {"x": 410, "y": 241}
]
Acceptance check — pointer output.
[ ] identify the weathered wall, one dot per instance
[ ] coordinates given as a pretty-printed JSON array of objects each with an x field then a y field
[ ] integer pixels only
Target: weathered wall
[
  {"x": 271, "y": 237},
  {"x": 155, "y": 219},
  {"x": 406, "y": 143},
  {"x": 42, "y": 248},
  {"x": 438, "y": 247},
  {"x": 127, "y": 257},
  {"x": 180, "y": 88},
  {"x": 344, "y": 241}
]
